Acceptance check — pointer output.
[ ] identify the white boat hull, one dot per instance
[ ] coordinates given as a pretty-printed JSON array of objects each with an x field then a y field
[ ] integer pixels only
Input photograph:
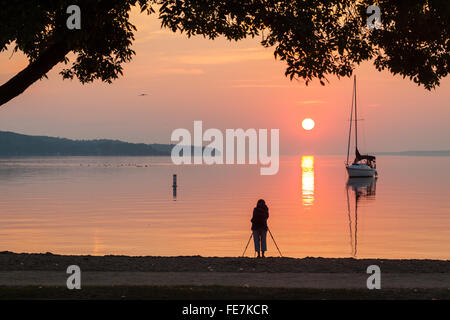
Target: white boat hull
[{"x": 361, "y": 170}]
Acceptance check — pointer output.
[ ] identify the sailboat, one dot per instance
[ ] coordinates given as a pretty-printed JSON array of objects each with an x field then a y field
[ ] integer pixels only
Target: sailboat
[{"x": 363, "y": 165}]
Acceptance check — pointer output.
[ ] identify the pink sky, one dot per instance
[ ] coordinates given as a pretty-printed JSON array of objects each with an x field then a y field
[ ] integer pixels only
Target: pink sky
[{"x": 227, "y": 85}]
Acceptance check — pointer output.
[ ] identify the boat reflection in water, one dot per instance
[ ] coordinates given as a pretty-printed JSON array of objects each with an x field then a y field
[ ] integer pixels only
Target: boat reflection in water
[
  {"x": 363, "y": 189},
  {"x": 308, "y": 180}
]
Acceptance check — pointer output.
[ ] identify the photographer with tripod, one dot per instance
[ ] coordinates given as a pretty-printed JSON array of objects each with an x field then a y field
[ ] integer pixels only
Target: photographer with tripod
[{"x": 259, "y": 227}]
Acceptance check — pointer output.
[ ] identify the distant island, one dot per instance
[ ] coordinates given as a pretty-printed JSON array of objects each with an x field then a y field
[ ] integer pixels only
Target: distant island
[{"x": 15, "y": 144}]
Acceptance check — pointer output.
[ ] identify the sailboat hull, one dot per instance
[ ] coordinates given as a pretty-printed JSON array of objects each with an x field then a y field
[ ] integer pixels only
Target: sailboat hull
[{"x": 361, "y": 170}]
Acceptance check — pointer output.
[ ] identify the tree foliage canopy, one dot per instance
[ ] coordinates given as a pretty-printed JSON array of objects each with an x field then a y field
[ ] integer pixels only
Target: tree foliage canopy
[{"x": 316, "y": 38}]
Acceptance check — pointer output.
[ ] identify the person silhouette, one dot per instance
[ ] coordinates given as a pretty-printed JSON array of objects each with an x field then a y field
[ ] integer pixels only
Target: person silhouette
[{"x": 259, "y": 227}]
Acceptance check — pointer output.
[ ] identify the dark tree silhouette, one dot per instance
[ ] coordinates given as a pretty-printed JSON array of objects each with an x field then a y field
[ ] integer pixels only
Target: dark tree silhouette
[{"x": 316, "y": 38}]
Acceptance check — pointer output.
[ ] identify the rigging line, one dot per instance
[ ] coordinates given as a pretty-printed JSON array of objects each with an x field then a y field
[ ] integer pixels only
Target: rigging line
[
  {"x": 364, "y": 140},
  {"x": 350, "y": 128}
]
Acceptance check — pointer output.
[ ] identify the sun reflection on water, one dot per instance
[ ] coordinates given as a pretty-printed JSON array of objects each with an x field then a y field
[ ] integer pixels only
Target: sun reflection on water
[{"x": 308, "y": 180}]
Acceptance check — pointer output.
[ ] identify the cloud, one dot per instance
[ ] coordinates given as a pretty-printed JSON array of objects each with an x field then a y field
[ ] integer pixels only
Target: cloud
[
  {"x": 312, "y": 102},
  {"x": 222, "y": 57},
  {"x": 186, "y": 71},
  {"x": 144, "y": 36},
  {"x": 259, "y": 85},
  {"x": 269, "y": 83}
]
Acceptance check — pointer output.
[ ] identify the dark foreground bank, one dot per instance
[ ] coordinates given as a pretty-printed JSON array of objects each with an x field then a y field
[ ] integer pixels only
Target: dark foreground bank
[
  {"x": 216, "y": 293},
  {"x": 10, "y": 261},
  {"x": 43, "y": 276}
]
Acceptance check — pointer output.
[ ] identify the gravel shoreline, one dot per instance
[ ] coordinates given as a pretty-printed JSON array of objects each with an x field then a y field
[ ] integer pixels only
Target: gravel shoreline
[{"x": 10, "y": 261}]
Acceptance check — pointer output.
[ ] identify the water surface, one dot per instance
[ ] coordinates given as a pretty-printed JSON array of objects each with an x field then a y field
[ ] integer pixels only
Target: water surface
[{"x": 125, "y": 205}]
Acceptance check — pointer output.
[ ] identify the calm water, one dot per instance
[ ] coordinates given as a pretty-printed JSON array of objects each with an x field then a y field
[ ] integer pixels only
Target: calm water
[{"x": 125, "y": 205}]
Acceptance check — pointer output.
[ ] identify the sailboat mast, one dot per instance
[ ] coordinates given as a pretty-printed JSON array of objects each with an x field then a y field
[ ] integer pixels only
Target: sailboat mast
[{"x": 356, "y": 119}]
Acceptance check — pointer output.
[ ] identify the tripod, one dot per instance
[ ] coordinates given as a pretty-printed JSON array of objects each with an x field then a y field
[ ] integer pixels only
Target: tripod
[
  {"x": 251, "y": 235},
  {"x": 281, "y": 255}
]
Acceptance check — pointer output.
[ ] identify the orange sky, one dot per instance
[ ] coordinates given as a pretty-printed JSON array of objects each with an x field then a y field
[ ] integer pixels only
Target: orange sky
[{"x": 227, "y": 85}]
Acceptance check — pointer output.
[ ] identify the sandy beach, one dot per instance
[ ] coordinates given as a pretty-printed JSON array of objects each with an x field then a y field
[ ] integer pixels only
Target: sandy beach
[{"x": 108, "y": 276}]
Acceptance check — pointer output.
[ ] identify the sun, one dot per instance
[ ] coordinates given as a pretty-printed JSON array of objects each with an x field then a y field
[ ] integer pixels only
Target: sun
[{"x": 308, "y": 124}]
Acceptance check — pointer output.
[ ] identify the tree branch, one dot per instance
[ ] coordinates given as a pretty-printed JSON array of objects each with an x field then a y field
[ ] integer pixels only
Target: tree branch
[{"x": 33, "y": 72}]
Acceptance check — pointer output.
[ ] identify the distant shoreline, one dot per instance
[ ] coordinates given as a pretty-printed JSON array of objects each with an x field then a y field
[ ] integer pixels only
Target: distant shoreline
[
  {"x": 400, "y": 154},
  {"x": 14, "y": 144},
  {"x": 437, "y": 153},
  {"x": 21, "y": 145}
]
